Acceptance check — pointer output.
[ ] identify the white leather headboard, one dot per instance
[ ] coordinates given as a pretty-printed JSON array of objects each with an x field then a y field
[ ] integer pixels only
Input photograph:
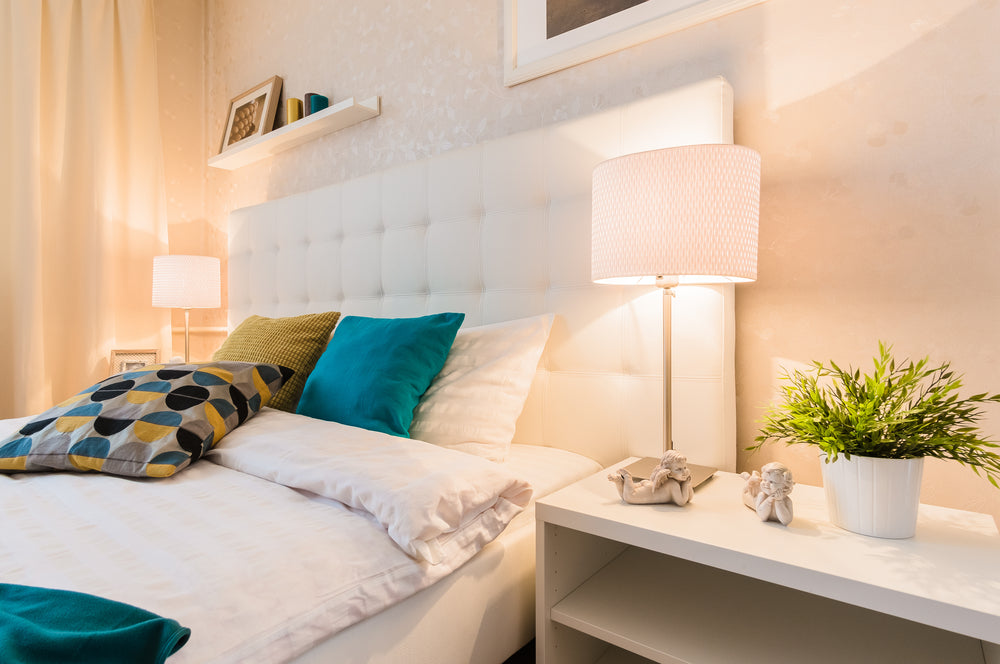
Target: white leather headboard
[{"x": 501, "y": 230}]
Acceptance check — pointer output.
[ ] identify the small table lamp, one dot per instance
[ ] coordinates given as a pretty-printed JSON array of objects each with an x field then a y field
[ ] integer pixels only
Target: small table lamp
[
  {"x": 187, "y": 282},
  {"x": 683, "y": 215}
]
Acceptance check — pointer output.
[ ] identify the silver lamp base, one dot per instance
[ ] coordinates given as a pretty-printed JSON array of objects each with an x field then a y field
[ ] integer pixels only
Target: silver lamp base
[{"x": 643, "y": 468}]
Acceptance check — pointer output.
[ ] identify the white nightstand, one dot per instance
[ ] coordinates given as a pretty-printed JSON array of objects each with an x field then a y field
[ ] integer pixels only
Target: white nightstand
[{"x": 709, "y": 582}]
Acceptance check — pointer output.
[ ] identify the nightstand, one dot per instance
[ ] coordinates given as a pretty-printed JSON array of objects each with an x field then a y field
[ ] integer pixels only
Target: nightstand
[{"x": 710, "y": 582}]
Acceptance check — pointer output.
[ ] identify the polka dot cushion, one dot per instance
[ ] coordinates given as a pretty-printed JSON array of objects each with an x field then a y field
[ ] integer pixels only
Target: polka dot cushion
[{"x": 151, "y": 422}]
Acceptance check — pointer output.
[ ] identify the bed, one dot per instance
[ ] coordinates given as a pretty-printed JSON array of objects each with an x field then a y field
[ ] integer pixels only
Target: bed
[{"x": 268, "y": 559}]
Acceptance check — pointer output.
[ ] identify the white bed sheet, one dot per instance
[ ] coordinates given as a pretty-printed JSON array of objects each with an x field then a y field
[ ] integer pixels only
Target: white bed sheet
[
  {"x": 486, "y": 608},
  {"x": 546, "y": 469},
  {"x": 259, "y": 572}
]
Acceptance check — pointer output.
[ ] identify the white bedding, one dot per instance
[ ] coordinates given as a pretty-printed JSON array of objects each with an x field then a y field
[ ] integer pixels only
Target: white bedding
[
  {"x": 437, "y": 505},
  {"x": 259, "y": 572}
]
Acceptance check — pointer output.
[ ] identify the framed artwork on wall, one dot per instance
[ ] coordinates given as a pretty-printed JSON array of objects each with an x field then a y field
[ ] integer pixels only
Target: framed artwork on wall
[
  {"x": 252, "y": 113},
  {"x": 544, "y": 36},
  {"x": 130, "y": 360}
]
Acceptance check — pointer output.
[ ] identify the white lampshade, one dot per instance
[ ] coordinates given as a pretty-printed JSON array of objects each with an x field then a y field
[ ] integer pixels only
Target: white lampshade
[
  {"x": 187, "y": 282},
  {"x": 689, "y": 213}
]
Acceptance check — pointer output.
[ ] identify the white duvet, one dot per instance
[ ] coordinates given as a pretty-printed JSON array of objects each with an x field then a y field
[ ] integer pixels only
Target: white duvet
[
  {"x": 259, "y": 571},
  {"x": 436, "y": 505}
]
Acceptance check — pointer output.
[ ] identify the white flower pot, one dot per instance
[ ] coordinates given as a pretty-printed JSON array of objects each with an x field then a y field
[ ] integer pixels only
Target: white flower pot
[{"x": 876, "y": 497}]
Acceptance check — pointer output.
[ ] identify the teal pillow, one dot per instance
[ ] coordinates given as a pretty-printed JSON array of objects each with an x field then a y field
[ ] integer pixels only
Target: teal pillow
[{"x": 375, "y": 370}]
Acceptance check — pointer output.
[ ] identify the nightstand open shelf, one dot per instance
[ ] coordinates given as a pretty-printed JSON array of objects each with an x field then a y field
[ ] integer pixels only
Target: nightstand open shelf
[
  {"x": 618, "y": 656},
  {"x": 619, "y": 583}
]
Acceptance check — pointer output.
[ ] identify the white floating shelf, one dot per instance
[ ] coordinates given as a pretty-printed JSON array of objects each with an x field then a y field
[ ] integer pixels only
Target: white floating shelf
[{"x": 341, "y": 115}]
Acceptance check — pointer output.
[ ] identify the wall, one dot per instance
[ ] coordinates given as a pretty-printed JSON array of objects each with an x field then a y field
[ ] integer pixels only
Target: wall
[{"x": 877, "y": 122}]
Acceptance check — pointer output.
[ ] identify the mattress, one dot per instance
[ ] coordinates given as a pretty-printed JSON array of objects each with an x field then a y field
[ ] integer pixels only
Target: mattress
[{"x": 259, "y": 571}]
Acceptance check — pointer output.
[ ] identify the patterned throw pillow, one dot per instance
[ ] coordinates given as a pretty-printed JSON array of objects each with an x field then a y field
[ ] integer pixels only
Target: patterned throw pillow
[
  {"x": 151, "y": 422},
  {"x": 295, "y": 342}
]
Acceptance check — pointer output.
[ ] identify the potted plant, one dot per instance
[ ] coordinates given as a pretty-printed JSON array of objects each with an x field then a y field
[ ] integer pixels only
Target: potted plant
[{"x": 875, "y": 431}]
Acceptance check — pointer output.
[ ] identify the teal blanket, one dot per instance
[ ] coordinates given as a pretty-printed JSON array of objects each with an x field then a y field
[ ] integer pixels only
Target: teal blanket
[{"x": 40, "y": 625}]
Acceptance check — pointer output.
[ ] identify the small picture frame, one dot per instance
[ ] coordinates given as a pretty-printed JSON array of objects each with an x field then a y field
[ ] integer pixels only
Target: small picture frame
[
  {"x": 130, "y": 360},
  {"x": 252, "y": 113}
]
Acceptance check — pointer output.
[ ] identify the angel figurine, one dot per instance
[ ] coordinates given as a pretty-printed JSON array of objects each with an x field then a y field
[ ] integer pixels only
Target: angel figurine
[
  {"x": 767, "y": 492},
  {"x": 670, "y": 482}
]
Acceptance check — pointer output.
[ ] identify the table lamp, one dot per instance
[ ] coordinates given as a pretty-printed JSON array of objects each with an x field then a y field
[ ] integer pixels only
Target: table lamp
[
  {"x": 187, "y": 282},
  {"x": 681, "y": 215}
]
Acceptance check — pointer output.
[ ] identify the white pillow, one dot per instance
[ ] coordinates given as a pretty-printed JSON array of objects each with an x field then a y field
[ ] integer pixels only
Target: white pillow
[{"x": 474, "y": 403}]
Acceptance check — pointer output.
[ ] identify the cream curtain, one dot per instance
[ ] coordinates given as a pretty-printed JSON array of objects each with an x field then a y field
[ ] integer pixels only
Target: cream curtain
[{"x": 81, "y": 194}]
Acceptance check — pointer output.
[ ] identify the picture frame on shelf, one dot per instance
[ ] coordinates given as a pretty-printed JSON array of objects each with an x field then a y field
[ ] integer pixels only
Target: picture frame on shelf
[
  {"x": 545, "y": 36},
  {"x": 130, "y": 360},
  {"x": 251, "y": 114}
]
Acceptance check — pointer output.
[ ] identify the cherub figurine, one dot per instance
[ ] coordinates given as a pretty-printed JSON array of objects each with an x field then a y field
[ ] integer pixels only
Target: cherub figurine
[
  {"x": 767, "y": 492},
  {"x": 670, "y": 482}
]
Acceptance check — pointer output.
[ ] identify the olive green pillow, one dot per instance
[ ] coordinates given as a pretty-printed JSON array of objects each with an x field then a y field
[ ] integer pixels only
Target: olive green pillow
[{"x": 295, "y": 342}]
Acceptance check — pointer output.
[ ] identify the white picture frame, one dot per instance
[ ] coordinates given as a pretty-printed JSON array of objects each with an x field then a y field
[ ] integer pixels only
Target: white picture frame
[
  {"x": 528, "y": 53},
  {"x": 130, "y": 360}
]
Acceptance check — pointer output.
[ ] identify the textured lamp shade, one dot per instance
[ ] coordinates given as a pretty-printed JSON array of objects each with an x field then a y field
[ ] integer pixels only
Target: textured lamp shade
[
  {"x": 688, "y": 213},
  {"x": 187, "y": 282}
]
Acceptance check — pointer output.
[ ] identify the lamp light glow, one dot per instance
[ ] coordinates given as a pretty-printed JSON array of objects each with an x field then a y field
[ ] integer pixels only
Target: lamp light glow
[{"x": 187, "y": 282}]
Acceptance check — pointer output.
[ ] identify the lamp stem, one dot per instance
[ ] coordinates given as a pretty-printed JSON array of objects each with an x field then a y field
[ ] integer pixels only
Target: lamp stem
[
  {"x": 698, "y": 473},
  {"x": 668, "y": 294},
  {"x": 187, "y": 335},
  {"x": 644, "y": 468}
]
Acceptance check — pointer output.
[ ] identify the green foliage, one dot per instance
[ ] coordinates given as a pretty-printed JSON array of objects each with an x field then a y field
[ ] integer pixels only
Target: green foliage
[{"x": 900, "y": 411}]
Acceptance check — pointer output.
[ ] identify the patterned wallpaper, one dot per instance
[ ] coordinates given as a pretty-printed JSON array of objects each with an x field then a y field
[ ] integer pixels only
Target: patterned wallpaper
[{"x": 877, "y": 122}]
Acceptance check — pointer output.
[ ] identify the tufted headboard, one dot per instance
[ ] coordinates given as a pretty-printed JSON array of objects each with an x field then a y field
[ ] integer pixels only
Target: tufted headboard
[{"x": 501, "y": 230}]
